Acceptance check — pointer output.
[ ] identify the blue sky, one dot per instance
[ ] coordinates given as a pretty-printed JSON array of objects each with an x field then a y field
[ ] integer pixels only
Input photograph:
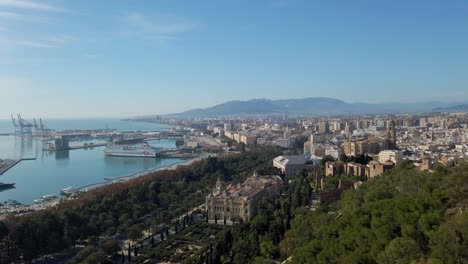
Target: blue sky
[{"x": 64, "y": 58}]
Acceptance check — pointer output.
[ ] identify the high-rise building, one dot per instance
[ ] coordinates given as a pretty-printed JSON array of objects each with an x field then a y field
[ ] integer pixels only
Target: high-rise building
[
  {"x": 423, "y": 122},
  {"x": 391, "y": 135},
  {"x": 323, "y": 127},
  {"x": 348, "y": 128},
  {"x": 227, "y": 127}
]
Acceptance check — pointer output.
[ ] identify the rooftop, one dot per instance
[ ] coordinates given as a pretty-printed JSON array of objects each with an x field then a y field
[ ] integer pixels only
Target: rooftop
[{"x": 253, "y": 185}]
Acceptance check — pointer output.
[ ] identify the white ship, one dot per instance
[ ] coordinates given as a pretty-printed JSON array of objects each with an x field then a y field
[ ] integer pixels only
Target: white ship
[
  {"x": 67, "y": 191},
  {"x": 140, "y": 150}
]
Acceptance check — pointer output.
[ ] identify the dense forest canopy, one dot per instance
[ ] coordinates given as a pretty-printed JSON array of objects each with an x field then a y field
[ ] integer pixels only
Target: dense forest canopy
[{"x": 404, "y": 216}]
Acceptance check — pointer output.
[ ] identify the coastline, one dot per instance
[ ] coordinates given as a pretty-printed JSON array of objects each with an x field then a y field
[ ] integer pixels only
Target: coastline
[
  {"x": 28, "y": 208},
  {"x": 140, "y": 173}
]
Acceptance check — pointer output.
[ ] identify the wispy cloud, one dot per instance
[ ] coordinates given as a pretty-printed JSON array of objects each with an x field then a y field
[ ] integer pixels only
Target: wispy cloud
[
  {"x": 35, "y": 44},
  {"x": 11, "y": 16},
  {"x": 8, "y": 41},
  {"x": 33, "y": 5},
  {"x": 161, "y": 27},
  {"x": 60, "y": 39}
]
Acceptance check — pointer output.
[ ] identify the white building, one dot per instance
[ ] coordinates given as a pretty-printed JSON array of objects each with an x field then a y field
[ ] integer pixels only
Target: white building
[
  {"x": 335, "y": 153},
  {"x": 291, "y": 165},
  {"x": 460, "y": 148},
  {"x": 394, "y": 156}
]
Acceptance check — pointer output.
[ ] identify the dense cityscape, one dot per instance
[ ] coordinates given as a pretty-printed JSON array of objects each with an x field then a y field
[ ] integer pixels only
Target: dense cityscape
[
  {"x": 242, "y": 175},
  {"x": 233, "y": 132}
]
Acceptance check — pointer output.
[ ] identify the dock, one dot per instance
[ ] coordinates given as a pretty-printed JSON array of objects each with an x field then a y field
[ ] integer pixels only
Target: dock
[
  {"x": 6, "y": 168},
  {"x": 83, "y": 146},
  {"x": 175, "y": 154}
]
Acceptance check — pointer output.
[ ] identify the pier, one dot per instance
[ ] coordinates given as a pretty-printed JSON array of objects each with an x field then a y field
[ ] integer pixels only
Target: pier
[
  {"x": 82, "y": 146},
  {"x": 5, "y": 168},
  {"x": 103, "y": 144}
]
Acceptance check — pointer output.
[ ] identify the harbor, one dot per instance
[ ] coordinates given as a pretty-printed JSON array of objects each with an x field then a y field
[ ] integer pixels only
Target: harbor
[
  {"x": 48, "y": 171},
  {"x": 50, "y": 200}
]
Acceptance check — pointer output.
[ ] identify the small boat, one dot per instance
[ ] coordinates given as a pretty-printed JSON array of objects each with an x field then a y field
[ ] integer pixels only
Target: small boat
[
  {"x": 67, "y": 190},
  {"x": 122, "y": 180},
  {"x": 13, "y": 202},
  {"x": 108, "y": 178},
  {"x": 49, "y": 197}
]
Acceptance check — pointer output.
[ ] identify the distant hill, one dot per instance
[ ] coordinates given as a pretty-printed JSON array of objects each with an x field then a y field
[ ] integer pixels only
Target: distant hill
[
  {"x": 455, "y": 108},
  {"x": 306, "y": 106}
]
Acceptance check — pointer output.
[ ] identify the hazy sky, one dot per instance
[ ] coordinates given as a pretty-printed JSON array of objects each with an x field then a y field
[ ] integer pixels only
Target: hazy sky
[{"x": 67, "y": 58}]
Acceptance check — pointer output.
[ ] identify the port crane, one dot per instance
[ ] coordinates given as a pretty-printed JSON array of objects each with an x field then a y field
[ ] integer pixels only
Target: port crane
[
  {"x": 41, "y": 130},
  {"x": 21, "y": 126}
]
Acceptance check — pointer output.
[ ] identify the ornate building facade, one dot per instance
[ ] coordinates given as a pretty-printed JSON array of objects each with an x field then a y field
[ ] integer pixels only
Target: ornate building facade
[{"x": 239, "y": 202}]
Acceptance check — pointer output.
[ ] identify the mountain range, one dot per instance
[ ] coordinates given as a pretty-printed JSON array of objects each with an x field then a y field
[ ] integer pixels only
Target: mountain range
[{"x": 313, "y": 106}]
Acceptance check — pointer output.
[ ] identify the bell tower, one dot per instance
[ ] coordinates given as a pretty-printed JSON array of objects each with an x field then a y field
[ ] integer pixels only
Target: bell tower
[
  {"x": 219, "y": 186},
  {"x": 391, "y": 135}
]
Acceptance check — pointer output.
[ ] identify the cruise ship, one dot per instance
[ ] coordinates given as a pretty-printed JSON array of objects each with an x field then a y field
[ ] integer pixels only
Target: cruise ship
[{"x": 140, "y": 150}]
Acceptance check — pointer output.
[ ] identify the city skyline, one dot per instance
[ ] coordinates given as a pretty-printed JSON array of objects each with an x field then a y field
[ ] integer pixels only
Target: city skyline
[{"x": 85, "y": 59}]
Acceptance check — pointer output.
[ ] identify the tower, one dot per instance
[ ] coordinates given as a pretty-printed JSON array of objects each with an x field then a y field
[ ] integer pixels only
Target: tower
[
  {"x": 287, "y": 134},
  {"x": 391, "y": 135},
  {"x": 219, "y": 186}
]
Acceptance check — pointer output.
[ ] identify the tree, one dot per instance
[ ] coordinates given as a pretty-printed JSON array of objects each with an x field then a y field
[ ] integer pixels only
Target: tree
[
  {"x": 96, "y": 258},
  {"x": 110, "y": 247},
  {"x": 449, "y": 243},
  {"x": 83, "y": 254},
  {"x": 400, "y": 250},
  {"x": 135, "y": 232},
  {"x": 326, "y": 159},
  {"x": 241, "y": 146},
  {"x": 267, "y": 249}
]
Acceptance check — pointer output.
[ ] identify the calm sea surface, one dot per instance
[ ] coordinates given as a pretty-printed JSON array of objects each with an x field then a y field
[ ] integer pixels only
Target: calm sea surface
[{"x": 53, "y": 171}]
